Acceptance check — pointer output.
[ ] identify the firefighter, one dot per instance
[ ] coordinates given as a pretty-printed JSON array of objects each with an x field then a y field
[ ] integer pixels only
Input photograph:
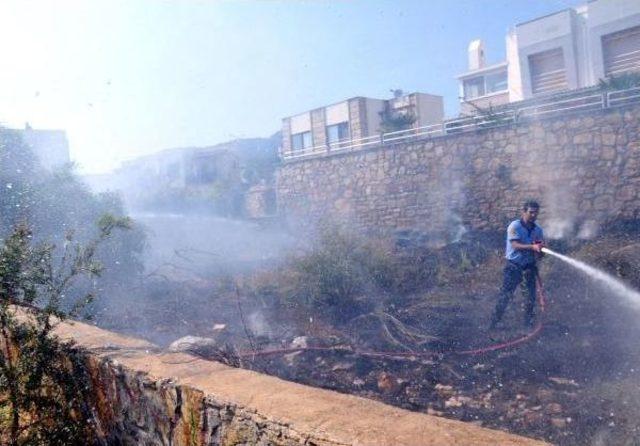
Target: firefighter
[{"x": 523, "y": 248}]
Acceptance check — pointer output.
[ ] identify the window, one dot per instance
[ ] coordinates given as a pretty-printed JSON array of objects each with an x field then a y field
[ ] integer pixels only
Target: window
[
  {"x": 496, "y": 82},
  {"x": 301, "y": 141},
  {"x": 547, "y": 71},
  {"x": 337, "y": 132},
  {"x": 485, "y": 84},
  {"x": 474, "y": 87},
  {"x": 621, "y": 52}
]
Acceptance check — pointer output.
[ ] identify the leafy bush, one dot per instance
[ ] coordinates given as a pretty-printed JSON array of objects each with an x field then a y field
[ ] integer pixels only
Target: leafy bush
[
  {"x": 394, "y": 122},
  {"x": 344, "y": 275},
  {"x": 43, "y": 384},
  {"x": 621, "y": 82},
  {"x": 416, "y": 269},
  {"x": 57, "y": 204},
  {"x": 334, "y": 273}
]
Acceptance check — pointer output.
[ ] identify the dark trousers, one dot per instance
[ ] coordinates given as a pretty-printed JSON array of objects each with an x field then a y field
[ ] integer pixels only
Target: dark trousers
[{"x": 512, "y": 277}]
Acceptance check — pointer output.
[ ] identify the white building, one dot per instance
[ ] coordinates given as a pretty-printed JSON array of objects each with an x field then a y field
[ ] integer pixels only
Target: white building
[
  {"x": 50, "y": 147},
  {"x": 569, "y": 49},
  {"x": 341, "y": 124}
]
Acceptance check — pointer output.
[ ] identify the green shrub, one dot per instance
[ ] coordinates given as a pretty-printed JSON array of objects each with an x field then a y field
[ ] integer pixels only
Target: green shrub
[
  {"x": 57, "y": 203},
  {"x": 336, "y": 277},
  {"x": 343, "y": 275},
  {"x": 620, "y": 82},
  {"x": 334, "y": 273},
  {"x": 395, "y": 122},
  {"x": 43, "y": 384}
]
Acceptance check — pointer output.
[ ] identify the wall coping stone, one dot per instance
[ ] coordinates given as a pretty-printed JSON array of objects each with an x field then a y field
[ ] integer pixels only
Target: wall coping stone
[{"x": 319, "y": 416}]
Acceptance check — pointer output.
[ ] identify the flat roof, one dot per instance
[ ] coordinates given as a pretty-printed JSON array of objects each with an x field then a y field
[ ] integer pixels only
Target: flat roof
[
  {"x": 358, "y": 97},
  {"x": 494, "y": 67},
  {"x": 545, "y": 16}
]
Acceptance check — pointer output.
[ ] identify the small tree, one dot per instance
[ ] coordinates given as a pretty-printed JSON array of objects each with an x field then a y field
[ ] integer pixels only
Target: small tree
[
  {"x": 42, "y": 387},
  {"x": 621, "y": 82},
  {"x": 394, "y": 122},
  {"x": 337, "y": 277}
]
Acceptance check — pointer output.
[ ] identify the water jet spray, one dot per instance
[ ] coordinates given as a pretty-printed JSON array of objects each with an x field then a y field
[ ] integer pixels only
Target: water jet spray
[{"x": 611, "y": 283}]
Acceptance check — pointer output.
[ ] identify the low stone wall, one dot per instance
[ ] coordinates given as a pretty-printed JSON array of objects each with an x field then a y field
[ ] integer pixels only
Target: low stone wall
[
  {"x": 144, "y": 396},
  {"x": 584, "y": 168}
]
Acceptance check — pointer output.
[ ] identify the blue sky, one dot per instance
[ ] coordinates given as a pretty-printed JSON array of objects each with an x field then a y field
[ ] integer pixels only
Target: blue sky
[{"x": 126, "y": 78}]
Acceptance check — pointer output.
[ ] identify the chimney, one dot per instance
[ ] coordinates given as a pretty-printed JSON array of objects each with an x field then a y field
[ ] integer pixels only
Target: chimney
[{"x": 476, "y": 55}]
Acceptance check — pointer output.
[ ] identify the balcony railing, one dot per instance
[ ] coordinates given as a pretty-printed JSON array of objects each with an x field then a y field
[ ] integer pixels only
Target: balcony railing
[{"x": 589, "y": 100}]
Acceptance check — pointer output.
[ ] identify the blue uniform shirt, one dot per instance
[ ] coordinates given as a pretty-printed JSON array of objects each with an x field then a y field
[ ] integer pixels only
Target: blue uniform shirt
[{"x": 518, "y": 231}]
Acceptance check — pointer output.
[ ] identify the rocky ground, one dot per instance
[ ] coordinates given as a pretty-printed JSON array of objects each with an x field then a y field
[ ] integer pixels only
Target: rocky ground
[{"x": 576, "y": 383}]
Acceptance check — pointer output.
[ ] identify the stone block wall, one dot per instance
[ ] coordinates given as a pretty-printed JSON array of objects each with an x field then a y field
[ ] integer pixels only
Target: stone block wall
[
  {"x": 584, "y": 168},
  {"x": 358, "y": 117},
  {"x": 139, "y": 410},
  {"x": 259, "y": 202},
  {"x": 286, "y": 135},
  {"x": 318, "y": 127},
  {"x": 141, "y": 395}
]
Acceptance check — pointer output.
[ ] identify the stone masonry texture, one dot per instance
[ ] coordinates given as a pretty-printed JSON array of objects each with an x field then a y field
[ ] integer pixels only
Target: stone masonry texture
[
  {"x": 286, "y": 135},
  {"x": 318, "y": 127},
  {"x": 141, "y": 395},
  {"x": 583, "y": 168},
  {"x": 357, "y": 117}
]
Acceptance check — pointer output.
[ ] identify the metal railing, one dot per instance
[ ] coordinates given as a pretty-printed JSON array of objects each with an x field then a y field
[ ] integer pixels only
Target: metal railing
[{"x": 589, "y": 100}]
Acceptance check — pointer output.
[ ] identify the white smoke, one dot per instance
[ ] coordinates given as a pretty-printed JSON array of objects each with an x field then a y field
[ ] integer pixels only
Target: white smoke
[
  {"x": 588, "y": 230},
  {"x": 258, "y": 324},
  {"x": 561, "y": 212}
]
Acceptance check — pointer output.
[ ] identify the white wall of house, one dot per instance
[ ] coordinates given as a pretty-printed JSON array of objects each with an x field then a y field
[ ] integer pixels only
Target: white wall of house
[
  {"x": 430, "y": 109},
  {"x": 579, "y": 34},
  {"x": 584, "y": 58},
  {"x": 589, "y": 42},
  {"x": 514, "y": 73},
  {"x": 373, "y": 109},
  {"x": 544, "y": 35},
  {"x": 606, "y": 17},
  {"x": 483, "y": 88}
]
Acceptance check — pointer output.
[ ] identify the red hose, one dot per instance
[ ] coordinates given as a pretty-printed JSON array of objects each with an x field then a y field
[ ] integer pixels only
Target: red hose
[
  {"x": 536, "y": 329},
  {"x": 386, "y": 354}
]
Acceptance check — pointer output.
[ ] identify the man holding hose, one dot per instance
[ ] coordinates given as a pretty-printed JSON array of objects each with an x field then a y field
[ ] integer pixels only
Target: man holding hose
[{"x": 524, "y": 246}]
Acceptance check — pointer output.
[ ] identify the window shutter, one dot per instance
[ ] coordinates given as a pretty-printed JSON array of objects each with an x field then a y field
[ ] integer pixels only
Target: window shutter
[
  {"x": 548, "y": 72},
  {"x": 621, "y": 51}
]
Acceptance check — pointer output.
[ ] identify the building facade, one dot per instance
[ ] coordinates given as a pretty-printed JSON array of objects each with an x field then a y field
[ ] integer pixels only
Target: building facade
[
  {"x": 570, "y": 49},
  {"x": 341, "y": 124},
  {"x": 50, "y": 147},
  {"x": 181, "y": 167}
]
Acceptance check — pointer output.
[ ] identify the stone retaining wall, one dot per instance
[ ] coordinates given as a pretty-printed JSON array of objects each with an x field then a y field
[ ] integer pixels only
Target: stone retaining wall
[
  {"x": 584, "y": 168},
  {"x": 144, "y": 396}
]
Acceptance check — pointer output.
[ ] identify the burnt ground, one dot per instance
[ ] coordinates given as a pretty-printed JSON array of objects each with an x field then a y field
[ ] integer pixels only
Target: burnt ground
[
  {"x": 576, "y": 383},
  {"x": 571, "y": 385}
]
